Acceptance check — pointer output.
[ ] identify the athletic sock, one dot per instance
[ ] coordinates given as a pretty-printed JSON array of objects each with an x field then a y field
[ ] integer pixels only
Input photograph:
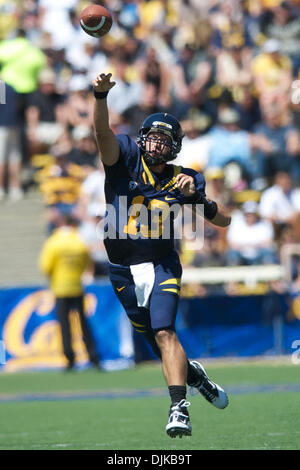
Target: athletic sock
[{"x": 177, "y": 393}]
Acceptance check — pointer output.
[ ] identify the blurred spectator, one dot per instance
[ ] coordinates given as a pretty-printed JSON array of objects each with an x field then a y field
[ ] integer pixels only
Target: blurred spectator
[
  {"x": 131, "y": 49},
  {"x": 153, "y": 15},
  {"x": 91, "y": 233},
  {"x": 196, "y": 143},
  {"x": 294, "y": 288},
  {"x": 91, "y": 195},
  {"x": 156, "y": 73},
  {"x": 284, "y": 26},
  {"x": 280, "y": 203},
  {"x": 128, "y": 17},
  {"x": 284, "y": 139},
  {"x": 85, "y": 57},
  {"x": 233, "y": 70},
  {"x": 57, "y": 61},
  {"x": 60, "y": 185},
  {"x": 255, "y": 15},
  {"x": 128, "y": 89},
  {"x": 10, "y": 144},
  {"x": 217, "y": 189},
  {"x": 226, "y": 18},
  {"x": 63, "y": 259},
  {"x": 79, "y": 105},
  {"x": 230, "y": 143},
  {"x": 9, "y": 17},
  {"x": 84, "y": 150},
  {"x": 247, "y": 106},
  {"x": 294, "y": 106},
  {"x": 250, "y": 239},
  {"x": 30, "y": 24},
  {"x": 162, "y": 42},
  {"x": 55, "y": 19},
  {"x": 44, "y": 114},
  {"x": 191, "y": 75},
  {"x": 272, "y": 72},
  {"x": 148, "y": 104},
  {"x": 210, "y": 253},
  {"x": 21, "y": 63},
  {"x": 189, "y": 9}
]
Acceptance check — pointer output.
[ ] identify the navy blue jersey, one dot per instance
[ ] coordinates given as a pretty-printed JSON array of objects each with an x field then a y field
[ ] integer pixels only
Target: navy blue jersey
[{"x": 131, "y": 184}]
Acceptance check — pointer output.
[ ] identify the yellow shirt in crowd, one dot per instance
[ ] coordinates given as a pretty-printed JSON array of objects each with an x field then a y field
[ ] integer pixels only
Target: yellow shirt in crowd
[
  {"x": 269, "y": 70},
  {"x": 9, "y": 16},
  {"x": 21, "y": 63},
  {"x": 63, "y": 259}
]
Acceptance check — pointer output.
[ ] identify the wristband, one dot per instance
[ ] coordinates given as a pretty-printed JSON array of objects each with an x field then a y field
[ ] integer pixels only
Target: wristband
[
  {"x": 100, "y": 95},
  {"x": 210, "y": 207},
  {"x": 196, "y": 198}
]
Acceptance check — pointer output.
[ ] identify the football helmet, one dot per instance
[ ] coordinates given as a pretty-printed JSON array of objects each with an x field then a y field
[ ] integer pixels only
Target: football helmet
[{"x": 166, "y": 124}]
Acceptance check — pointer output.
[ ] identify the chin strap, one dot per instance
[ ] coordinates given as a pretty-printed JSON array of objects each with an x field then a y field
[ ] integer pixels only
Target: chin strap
[{"x": 149, "y": 160}]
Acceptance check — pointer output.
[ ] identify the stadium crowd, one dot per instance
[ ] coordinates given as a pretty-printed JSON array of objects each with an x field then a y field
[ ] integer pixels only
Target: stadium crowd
[{"x": 227, "y": 69}]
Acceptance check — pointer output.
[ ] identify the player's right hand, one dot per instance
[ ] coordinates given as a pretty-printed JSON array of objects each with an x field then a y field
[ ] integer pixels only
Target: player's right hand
[
  {"x": 185, "y": 184},
  {"x": 102, "y": 82}
]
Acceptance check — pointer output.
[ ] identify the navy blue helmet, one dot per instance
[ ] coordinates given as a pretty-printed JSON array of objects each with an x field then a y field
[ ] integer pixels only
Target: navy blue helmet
[{"x": 166, "y": 124}]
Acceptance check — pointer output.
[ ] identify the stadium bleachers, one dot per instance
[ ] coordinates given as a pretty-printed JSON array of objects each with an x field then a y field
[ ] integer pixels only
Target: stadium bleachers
[{"x": 21, "y": 236}]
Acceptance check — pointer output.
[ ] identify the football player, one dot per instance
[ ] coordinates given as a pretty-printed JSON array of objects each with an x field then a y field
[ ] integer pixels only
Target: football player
[{"x": 145, "y": 269}]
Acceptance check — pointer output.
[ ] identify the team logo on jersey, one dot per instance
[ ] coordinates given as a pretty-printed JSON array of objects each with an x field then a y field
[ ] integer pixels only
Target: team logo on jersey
[{"x": 132, "y": 185}]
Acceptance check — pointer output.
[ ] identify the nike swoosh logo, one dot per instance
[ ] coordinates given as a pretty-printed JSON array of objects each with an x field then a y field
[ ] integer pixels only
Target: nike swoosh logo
[
  {"x": 119, "y": 289},
  {"x": 168, "y": 198}
]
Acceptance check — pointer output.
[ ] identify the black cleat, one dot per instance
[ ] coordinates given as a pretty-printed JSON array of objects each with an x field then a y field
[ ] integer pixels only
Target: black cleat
[{"x": 211, "y": 391}]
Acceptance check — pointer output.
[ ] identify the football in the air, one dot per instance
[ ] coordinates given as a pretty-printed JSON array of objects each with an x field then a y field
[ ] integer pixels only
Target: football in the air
[{"x": 95, "y": 20}]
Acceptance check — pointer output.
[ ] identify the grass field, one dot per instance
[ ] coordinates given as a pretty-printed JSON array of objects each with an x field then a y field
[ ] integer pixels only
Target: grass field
[{"x": 128, "y": 409}]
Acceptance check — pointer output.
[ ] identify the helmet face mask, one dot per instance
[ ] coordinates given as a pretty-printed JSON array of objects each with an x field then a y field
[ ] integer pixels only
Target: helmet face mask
[
  {"x": 161, "y": 124},
  {"x": 158, "y": 146}
]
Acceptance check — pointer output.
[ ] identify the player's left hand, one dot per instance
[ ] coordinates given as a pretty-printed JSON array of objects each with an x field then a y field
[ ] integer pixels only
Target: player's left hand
[{"x": 186, "y": 184}]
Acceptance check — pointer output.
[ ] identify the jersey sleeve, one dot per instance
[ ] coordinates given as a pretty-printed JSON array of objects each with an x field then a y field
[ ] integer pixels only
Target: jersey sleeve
[
  {"x": 128, "y": 156},
  {"x": 198, "y": 179},
  {"x": 128, "y": 150}
]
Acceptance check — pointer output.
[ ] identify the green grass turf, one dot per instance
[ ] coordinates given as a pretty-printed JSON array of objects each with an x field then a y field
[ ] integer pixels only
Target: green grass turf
[{"x": 266, "y": 420}]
